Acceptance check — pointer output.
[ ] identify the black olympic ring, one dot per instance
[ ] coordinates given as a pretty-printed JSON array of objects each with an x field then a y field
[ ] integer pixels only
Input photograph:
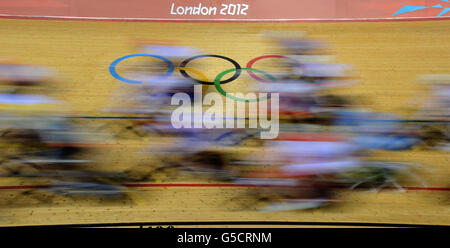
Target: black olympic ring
[{"x": 234, "y": 77}]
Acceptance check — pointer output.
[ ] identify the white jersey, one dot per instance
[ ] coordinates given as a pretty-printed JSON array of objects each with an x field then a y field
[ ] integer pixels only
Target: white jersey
[
  {"x": 299, "y": 150},
  {"x": 321, "y": 167},
  {"x": 322, "y": 70},
  {"x": 170, "y": 51},
  {"x": 26, "y": 99}
]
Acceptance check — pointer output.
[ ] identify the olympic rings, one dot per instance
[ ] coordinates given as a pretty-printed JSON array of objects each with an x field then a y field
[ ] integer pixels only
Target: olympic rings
[
  {"x": 219, "y": 88},
  {"x": 234, "y": 77},
  {"x": 251, "y": 62},
  {"x": 182, "y": 68},
  {"x": 112, "y": 67},
  {"x": 217, "y": 82}
]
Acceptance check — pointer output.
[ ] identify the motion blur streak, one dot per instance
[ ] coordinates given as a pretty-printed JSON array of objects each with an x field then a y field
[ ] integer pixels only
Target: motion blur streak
[{"x": 327, "y": 149}]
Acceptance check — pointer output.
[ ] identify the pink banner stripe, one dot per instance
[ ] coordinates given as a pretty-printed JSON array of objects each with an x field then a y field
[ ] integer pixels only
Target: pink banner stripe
[{"x": 230, "y": 10}]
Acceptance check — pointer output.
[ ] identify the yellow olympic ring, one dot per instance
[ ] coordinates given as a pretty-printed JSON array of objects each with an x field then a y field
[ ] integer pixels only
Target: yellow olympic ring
[{"x": 201, "y": 75}]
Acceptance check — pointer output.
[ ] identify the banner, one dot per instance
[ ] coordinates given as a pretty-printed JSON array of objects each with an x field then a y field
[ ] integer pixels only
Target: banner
[{"x": 226, "y": 10}]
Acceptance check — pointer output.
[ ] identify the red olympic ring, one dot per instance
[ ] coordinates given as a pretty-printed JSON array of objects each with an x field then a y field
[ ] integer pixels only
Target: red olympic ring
[{"x": 251, "y": 62}]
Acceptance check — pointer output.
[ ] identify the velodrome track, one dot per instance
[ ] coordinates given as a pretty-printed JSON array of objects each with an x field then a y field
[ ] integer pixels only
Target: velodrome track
[{"x": 388, "y": 56}]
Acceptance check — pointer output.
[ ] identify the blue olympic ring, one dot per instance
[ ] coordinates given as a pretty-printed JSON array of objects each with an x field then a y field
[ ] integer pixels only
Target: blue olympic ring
[{"x": 112, "y": 67}]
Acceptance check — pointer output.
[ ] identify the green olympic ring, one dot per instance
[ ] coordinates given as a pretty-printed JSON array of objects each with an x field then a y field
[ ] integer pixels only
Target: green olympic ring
[{"x": 223, "y": 92}]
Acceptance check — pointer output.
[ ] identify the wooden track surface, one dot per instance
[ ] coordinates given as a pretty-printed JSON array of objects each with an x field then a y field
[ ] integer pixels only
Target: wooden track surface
[{"x": 388, "y": 56}]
